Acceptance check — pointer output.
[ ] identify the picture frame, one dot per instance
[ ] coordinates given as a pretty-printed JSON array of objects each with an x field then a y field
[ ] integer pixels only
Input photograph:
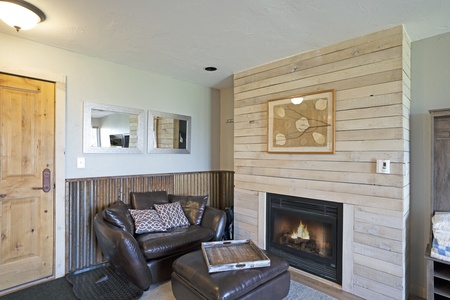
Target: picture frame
[{"x": 307, "y": 127}]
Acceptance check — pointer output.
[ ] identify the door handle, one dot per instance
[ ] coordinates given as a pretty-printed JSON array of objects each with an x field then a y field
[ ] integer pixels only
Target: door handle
[{"x": 45, "y": 181}]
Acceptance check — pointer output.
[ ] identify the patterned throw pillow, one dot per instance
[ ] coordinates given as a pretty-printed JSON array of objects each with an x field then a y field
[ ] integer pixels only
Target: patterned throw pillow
[
  {"x": 147, "y": 220},
  {"x": 172, "y": 214}
]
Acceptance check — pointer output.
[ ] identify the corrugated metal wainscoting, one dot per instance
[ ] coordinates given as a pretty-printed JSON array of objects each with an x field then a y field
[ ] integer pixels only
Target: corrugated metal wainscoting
[{"x": 85, "y": 197}]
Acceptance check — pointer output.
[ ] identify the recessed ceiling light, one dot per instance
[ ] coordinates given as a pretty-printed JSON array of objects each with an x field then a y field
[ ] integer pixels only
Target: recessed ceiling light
[{"x": 210, "y": 69}]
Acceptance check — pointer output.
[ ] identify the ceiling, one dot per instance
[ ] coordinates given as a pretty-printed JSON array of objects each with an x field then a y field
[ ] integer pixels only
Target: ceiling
[{"x": 179, "y": 38}]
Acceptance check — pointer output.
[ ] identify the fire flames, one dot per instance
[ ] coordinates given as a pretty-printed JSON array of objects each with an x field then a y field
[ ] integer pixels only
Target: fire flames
[{"x": 302, "y": 232}]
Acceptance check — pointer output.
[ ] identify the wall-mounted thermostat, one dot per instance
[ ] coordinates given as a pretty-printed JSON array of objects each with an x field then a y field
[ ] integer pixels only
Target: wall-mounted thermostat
[{"x": 383, "y": 166}]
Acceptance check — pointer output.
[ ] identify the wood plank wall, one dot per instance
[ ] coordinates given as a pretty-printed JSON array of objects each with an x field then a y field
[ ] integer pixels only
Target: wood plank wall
[
  {"x": 371, "y": 78},
  {"x": 85, "y": 197}
]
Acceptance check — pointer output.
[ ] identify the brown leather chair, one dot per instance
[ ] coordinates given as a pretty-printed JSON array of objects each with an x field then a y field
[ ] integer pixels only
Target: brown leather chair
[{"x": 147, "y": 258}]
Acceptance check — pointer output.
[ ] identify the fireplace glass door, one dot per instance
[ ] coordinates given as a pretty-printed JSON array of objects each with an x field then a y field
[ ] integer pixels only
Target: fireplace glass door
[{"x": 307, "y": 233}]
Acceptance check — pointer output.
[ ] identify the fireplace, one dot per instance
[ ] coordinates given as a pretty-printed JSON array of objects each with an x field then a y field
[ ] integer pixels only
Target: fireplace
[{"x": 307, "y": 233}]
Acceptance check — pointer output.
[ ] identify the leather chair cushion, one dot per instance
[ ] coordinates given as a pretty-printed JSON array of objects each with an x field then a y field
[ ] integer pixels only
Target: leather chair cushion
[
  {"x": 118, "y": 215},
  {"x": 191, "y": 269},
  {"x": 193, "y": 207},
  {"x": 160, "y": 244},
  {"x": 145, "y": 200}
]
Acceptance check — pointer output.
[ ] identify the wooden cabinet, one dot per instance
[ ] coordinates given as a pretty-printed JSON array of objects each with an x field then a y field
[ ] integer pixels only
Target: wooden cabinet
[
  {"x": 438, "y": 277},
  {"x": 438, "y": 271}
]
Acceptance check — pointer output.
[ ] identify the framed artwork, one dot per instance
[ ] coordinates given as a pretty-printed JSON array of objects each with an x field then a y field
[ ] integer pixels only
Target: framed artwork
[{"x": 302, "y": 124}]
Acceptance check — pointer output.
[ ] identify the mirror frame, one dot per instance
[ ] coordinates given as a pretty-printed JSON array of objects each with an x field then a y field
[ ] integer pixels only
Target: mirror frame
[
  {"x": 87, "y": 125},
  {"x": 151, "y": 139}
]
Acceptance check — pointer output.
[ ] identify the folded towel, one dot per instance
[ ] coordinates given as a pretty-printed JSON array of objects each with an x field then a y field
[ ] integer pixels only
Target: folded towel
[
  {"x": 441, "y": 238},
  {"x": 441, "y": 216},
  {"x": 441, "y": 220},
  {"x": 435, "y": 253},
  {"x": 443, "y": 249},
  {"x": 440, "y": 231}
]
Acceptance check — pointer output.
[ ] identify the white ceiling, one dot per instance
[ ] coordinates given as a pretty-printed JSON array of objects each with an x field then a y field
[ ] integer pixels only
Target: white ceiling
[{"x": 178, "y": 38}]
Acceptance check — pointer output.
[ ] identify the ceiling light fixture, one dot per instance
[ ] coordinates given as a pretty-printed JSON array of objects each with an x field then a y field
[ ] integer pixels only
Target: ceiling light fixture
[
  {"x": 210, "y": 69},
  {"x": 20, "y": 14},
  {"x": 297, "y": 100}
]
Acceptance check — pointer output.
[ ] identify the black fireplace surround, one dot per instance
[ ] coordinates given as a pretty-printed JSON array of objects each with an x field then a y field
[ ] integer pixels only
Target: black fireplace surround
[{"x": 307, "y": 233}]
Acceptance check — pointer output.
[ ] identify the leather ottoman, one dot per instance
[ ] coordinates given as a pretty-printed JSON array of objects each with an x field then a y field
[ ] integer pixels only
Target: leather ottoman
[{"x": 191, "y": 280}]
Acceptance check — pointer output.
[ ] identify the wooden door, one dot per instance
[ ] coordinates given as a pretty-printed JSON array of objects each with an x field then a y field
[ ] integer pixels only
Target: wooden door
[{"x": 27, "y": 117}]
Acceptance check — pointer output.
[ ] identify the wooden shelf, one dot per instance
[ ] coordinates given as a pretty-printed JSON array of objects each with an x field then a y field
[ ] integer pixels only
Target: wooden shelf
[
  {"x": 441, "y": 287},
  {"x": 442, "y": 290},
  {"x": 438, "y": 271},
  {"x": 442, "y": 271},
  {"x": 438, "y": 277}
]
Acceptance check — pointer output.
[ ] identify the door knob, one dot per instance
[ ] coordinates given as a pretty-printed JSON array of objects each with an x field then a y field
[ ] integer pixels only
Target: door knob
[{"x": 45, "y": 181}]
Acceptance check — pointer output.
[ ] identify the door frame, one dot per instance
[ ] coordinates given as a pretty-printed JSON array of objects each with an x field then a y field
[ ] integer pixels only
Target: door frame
[{"x": 60, "y": 176}]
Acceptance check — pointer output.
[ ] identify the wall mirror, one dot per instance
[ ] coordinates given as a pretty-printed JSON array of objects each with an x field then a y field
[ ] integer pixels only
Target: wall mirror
[
  {"x": 168, "y": 133},
  {"x": 112, "y": 129}
]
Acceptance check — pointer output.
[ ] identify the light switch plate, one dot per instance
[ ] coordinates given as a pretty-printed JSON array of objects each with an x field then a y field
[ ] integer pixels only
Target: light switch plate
[{"x": 81, "y": 163}]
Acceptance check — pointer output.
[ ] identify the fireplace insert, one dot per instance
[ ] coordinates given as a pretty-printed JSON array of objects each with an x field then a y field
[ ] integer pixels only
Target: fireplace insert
[{"x": 307, "y": 233}]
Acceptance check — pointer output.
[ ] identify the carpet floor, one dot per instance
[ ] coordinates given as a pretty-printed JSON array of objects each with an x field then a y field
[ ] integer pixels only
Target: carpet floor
[
  {"x": 163, "y": 291},
  {"x": 61, "y": 289}
]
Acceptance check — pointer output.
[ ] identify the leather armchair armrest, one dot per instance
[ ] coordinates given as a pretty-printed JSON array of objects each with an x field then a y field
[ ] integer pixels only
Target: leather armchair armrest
[
  {"x": 123, "y": 252},
  {"x": 215, "y": 219}
]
